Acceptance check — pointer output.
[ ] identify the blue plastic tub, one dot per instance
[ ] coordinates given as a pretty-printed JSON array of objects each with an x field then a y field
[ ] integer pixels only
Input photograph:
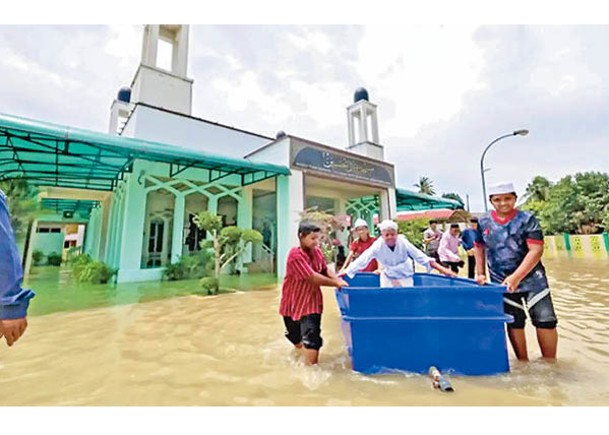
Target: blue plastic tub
[{"x": 451, "y": 323}]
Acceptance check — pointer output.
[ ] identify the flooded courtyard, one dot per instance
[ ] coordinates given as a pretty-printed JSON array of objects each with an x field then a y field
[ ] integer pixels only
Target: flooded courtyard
[{"x": 229, "y": 350}]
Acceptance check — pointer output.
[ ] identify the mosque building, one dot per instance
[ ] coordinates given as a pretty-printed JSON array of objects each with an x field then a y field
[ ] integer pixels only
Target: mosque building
[{"x": 131, "y": 194}]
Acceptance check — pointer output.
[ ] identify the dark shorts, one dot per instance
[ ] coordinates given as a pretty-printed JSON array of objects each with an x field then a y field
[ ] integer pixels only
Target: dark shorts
[
  {"x": 307, "y": 331},
  {"x": 435, "y": 256},
  {"x": 541, "y": 310}
]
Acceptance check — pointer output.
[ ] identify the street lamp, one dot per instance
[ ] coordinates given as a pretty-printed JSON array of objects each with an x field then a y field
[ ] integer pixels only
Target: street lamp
[{"x": 522, "y": 132}]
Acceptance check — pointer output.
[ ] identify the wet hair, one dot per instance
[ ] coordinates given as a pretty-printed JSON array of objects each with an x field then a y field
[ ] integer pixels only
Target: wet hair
[
  {"x": 454, "y": 226},
  {"x": 306, "y": 228},
  {"x": 474, "y": 220},
  {"x": 433, "y": 221}
]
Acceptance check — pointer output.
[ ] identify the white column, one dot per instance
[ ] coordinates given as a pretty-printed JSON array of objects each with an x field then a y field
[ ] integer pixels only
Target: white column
[
  {"x": 150, "y": 46},
  {"x": 387, "y": 204},
  {"x": 362, "y": 124},
  {"x": 351, "y": 125},
  {"x": 177, "y": 239},
  {"x": 244, "y": 217},
  {"x": 180, "y": 52},
  {"x": 375, "y": 128},
  {"x": 290, "y": 203}
]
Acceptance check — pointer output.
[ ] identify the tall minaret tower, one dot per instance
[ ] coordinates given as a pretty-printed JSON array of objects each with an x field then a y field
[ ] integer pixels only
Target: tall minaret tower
[
  {"x": 169, "y": 89},
  {"x": 363, "y": 127}
]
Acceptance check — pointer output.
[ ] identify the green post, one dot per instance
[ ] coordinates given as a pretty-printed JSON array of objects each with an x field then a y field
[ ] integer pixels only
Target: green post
[
  {"x": 606, "y": 240},
  {"x": 134, "y": 216},
  {"x": 567, "y": 242}
]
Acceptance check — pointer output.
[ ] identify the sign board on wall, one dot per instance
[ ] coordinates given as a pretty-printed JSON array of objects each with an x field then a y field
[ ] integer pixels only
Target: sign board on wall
[{"x": 314, "y": 158}]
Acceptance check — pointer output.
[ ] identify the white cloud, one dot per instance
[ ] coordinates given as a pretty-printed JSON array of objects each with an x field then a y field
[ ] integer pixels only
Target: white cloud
[
  {"x": 124, "y": 43},
  {"x": 425, "y": 70}
]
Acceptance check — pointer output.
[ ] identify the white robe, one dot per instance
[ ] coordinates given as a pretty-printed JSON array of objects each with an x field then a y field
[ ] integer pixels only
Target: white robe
[{"x": 397, "y": 263}]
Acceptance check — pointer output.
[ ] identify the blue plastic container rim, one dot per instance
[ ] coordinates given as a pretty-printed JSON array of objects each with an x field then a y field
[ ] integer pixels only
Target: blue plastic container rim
[
  {"x": 491, "y": 289},
  {"x": 470, "y": 284},
  {"x": 504, "y": 318}
]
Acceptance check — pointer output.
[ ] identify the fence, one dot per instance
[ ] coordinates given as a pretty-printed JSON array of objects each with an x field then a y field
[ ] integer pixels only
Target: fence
[{"x": 579, "y": 246}]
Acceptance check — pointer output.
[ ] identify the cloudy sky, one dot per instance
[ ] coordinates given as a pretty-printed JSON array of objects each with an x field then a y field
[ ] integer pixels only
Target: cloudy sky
[{"x": 443, "y": 91}]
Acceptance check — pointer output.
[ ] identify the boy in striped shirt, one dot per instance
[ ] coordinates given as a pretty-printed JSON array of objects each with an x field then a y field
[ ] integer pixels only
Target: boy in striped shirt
[{"x": 301, "y": 298}]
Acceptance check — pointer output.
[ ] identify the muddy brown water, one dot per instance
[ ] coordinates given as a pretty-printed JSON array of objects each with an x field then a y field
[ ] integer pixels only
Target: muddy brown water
[{"x": 230, "y": 350}]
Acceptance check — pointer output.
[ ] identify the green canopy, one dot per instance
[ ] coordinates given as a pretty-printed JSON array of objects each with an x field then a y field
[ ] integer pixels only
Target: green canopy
[
  {"x": 73, "y": 206},
  {"x": 409, "y": 200},
  {"x": 52, "y": 155}
]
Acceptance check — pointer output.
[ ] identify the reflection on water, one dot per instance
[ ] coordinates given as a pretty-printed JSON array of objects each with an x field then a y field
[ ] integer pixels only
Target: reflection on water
[{"x": 230, "y": 350}]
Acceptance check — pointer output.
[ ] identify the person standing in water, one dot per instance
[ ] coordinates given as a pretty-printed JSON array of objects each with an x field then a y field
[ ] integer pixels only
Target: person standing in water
[
  {"x": 512, "y": 242},
  {"x": 467, "y": 240},
  {"x": 301, "y": 299},
  {"x": 395, "y": 254},
  {"x": 14, "y": 300},
  {"x": 364, "y": 241}
]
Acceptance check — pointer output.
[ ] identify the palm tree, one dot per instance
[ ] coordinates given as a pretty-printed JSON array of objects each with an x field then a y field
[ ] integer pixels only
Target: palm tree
[{"x": 425, "y": 185}]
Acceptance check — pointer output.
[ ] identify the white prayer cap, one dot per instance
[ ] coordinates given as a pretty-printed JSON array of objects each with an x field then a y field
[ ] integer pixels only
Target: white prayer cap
[
  {"x": 388, "y": 225},
  {"x": 501, "y": 188},
  {"x": 360, "y": 223}
]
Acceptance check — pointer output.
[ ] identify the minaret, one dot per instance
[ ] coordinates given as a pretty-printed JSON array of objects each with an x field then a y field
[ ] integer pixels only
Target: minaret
[
  {"x": 363, "y": 127},
  {"x": 168, "y": 89},
  {"x": 120, "y": 110}
]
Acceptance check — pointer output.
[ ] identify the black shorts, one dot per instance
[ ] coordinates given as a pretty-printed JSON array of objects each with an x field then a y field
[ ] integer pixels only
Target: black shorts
[
  {"x": 307, "y": 331},
  {"x": 541, "y": 309}
]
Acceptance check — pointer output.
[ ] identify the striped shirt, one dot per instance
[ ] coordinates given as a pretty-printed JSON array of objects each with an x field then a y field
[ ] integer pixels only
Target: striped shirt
[{"x": 299, "y": 297}]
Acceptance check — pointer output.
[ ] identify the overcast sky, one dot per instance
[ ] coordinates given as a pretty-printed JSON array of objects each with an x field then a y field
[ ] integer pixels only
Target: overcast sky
[{"x": 443, "y": 92}]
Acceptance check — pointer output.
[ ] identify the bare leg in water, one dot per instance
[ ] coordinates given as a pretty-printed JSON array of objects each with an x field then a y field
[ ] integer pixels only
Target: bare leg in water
[
  {"x": 519, "y": 343},
  {"x": 548, "y": 342}
]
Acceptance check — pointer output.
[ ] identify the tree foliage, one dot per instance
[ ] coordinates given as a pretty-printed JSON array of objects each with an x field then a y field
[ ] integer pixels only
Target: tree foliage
[
  {"x": 23, "y": 204},
  {"x": 328, "y": 224},
  {"x": 413, "y": 230},
  {"x": 226, "y": 244},
  {"x": 425, "y": 186},
  {"x": 575, "y": 204}
]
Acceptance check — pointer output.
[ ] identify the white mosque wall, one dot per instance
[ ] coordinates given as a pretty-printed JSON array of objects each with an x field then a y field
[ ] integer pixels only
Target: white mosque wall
[
  {"x": 161, "y": 126},
  {"x": 277, "y": 153}
]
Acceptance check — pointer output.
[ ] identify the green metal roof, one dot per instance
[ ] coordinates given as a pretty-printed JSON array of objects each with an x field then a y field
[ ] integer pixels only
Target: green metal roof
[
  {"x": 76, "y": 206},
  {"x": 53, "y": 155},
  {"x": 409, "y": 200}
]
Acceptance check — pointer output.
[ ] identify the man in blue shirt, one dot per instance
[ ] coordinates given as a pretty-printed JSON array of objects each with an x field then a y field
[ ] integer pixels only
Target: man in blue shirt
[
  {"x": 14, "y": 300},
  {"x": 468, "y": 237},
  {"x": 513, "y": 243}
]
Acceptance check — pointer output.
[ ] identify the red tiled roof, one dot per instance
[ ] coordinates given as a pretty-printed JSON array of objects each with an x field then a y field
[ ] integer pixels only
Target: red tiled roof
[{"x": 441, "y": 213}]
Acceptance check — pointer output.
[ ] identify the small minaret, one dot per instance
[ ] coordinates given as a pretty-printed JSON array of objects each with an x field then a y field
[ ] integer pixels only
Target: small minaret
[
  {"x": 169, "y": 89},
  {"x": 363, "y": 127},
  {"x": 120, "y": 110}
]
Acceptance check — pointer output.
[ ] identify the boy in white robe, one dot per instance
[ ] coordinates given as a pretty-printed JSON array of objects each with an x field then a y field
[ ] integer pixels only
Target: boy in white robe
[{"x": 396, "y": 254}]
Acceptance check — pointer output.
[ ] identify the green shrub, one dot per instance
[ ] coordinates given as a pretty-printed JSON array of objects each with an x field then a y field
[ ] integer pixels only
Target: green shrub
[
  {"x": 85, "y": 269},
  {"x": 413, "y": 230},
  {"x": 96, "y": 272},
  {"x": 78, "y": 263},
  {"x": 37, "y": 257},
  {"x": 190, "y": 266},
  {"x": 212, "y": 285},
  {"x": 54, "y": 259}
]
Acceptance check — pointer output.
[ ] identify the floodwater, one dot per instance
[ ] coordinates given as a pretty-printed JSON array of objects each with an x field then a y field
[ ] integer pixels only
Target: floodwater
[{"x": 230, "y": 350}]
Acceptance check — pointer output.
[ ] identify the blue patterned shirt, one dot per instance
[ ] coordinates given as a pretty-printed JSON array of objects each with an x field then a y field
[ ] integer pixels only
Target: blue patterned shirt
[{"x": 506, "y": 246}]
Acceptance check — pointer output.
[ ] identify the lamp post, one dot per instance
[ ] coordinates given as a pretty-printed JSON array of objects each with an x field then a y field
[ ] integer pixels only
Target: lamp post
[{"x": 522, "y": 132}]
